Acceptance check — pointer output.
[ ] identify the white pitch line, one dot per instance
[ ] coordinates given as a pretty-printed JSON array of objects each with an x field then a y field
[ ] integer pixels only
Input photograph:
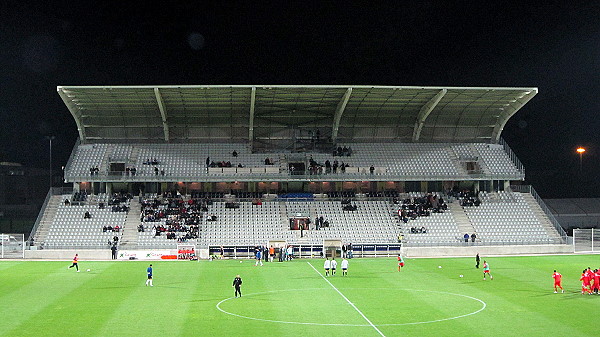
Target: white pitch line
[{"x": 347, "y": 300}]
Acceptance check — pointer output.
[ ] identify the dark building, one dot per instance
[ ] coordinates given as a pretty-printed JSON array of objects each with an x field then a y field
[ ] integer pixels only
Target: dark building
[{"x": 22, "y": 193}]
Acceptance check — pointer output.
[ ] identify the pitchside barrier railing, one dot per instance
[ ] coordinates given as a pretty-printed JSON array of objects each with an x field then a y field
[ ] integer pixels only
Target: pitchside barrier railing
[
  {"x": 122, "y": 177},
  {"x": 313, "y": 251},
  {"x": 12, "y": 246},
  {"x": 529, "y": 189},
  {"x": 460, "y": 243},
  {"x": 586, "y": 240}
]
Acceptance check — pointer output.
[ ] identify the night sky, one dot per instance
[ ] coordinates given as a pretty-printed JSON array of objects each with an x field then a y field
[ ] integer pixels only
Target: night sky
[{"x": 552, "y": 46}]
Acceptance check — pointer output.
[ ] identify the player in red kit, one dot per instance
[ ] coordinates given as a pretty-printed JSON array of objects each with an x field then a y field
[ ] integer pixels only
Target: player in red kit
[
  {"x": 400, "y": 262},
  {"x": 596, "y": 276},
  {"x": 585, "y": 282},
  {"x": 557, "y": 282}
]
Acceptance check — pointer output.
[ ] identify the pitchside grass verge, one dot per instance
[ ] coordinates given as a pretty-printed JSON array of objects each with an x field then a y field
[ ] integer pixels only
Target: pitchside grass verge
[{"x": 292, "y": 299}]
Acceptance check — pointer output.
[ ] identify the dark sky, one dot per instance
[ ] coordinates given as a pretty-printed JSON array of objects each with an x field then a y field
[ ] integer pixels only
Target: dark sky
[{"x": 552, "y": 46}]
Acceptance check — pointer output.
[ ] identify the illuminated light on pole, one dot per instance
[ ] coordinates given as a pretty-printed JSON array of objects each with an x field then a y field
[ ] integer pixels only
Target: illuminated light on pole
[{"x": 580, "y": 150}]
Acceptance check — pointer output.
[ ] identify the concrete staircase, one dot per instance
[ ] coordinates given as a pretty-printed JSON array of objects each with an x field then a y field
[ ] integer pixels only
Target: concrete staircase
[
  {"x": 106, "y": 159},
  {"x": 454, "y": 158},
  {"x": 283, "y": 213},
  {"x": 129, "y": 238},
  {"x": 542, "y": 217},
  {"x": 47, "y": 218},
  {"x": 461, "y": 218}
]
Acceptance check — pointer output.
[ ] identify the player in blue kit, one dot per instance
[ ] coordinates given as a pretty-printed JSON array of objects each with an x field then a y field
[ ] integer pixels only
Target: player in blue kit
[{"x": 149, "y": 280}]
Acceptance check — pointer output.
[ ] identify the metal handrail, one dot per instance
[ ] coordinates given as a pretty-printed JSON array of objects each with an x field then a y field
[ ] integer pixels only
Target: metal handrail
[
  {"x": 512, "y": 156},
  {"x": 51, "y": 191},
  {"x": 71, "y": 158},
  {"x": 258, "y": 177},
  {"x": 40, "y": 216},
  {"x": 529, "y": 189}
]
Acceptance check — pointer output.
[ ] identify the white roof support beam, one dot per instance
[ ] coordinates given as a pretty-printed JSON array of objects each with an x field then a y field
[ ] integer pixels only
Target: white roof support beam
[
  {"x": 339, "y": 111},
  {"x": 163, "y": 112},
  {"x": 509, "y": 111},
  {"x": 74, "y": 112},
  {"x": 251, "y": 122},
  {"x": 425, "y": 111}
]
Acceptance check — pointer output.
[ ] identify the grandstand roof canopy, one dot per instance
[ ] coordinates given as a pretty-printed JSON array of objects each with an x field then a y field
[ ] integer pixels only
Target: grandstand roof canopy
[{"x": 262, "y": 113}]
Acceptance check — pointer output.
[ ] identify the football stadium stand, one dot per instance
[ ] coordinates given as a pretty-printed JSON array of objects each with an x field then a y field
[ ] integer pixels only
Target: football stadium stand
[{"x": 244, "y": 166}]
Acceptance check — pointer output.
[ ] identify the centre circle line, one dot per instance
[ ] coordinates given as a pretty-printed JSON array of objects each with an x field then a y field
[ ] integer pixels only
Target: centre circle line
[
  {"x": 347, "y": 300},
  {"x": 484, "y": 305}
]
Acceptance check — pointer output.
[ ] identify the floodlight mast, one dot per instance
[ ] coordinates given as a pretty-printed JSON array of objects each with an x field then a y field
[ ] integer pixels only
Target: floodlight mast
[{"x": 50, "y": 139}]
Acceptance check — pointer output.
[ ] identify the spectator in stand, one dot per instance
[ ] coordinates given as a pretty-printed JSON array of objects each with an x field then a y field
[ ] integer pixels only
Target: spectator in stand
[
  {"x": 466, "y": 237},
  {"x": 473, "y": 237},
  {"x": 372, "y": 169},
  {"x": 87, "y": 215}
]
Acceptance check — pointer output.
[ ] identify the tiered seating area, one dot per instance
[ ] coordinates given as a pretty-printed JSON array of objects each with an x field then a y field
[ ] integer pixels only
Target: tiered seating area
[
  {"x": 372, "y": 222},
  {"x": 247, "y": 225},
  {"x": 178, "y": 217},
  {"x": 399, "y": 158},
  {"x": 189, "y": 160},
  {"x": 506, "y": 218},
  {"x": 86, "y": 156},
  {"x": 440, "y": 227},
  {"x": 495, "y": 159},
  {"x": 70, "y": 230}
]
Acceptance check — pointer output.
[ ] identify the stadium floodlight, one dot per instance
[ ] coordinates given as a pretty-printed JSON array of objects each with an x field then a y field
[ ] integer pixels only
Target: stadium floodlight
[{"x": 580, "y": 150}]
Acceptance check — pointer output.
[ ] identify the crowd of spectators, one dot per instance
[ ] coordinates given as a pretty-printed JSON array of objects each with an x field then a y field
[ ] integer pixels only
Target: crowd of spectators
[
  {"x": 466, "y": 198},
  {"x": 466, "y": 237},
  {"x": 320, "y": 222},
  {"x": 130, "y": 171},
  {"x": 342, "y": 151},
  {"x": 79, "y": 196},
  {"x": 348, "y": 206},
  {"x": 157, "y": 171},
  {"x": 94, "y": 171},
  {"x": 315, "y": 168},
  {"x": 418, "y": 230},
  {"x": 154, "y": 161},
  {"x": 179, "y": 219},
  {"x": 412, "y": 208}
]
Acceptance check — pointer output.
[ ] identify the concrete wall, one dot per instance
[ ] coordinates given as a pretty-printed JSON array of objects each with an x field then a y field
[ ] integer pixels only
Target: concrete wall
[
  {"x": 486, "y": 250},
  {"x": 105, "y": 254},
  {"x": 67, "y": 255}
]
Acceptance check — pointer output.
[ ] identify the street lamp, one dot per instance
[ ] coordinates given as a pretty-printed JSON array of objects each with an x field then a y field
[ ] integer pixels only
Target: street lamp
[
  {"x": 580, "y": 150},
  {"x": 50, "y": 138}
]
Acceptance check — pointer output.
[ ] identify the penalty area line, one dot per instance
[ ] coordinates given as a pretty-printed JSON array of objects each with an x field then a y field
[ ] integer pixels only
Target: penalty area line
[{"x": 347, "y": 300}]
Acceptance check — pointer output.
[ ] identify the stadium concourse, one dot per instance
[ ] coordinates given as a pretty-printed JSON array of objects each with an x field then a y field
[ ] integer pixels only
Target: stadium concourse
[{"x": 324, "y": 169}]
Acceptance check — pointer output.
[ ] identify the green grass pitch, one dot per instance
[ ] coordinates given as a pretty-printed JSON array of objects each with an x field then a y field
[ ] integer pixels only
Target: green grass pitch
[{"x": 292, "y": 299}]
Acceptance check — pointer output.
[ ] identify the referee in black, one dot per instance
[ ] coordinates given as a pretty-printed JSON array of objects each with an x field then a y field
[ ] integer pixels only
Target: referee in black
[{"x": 237, "y": 283}]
